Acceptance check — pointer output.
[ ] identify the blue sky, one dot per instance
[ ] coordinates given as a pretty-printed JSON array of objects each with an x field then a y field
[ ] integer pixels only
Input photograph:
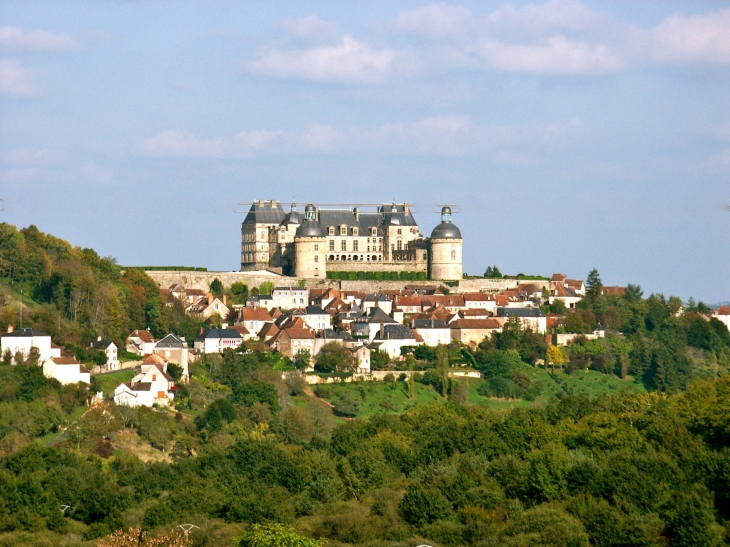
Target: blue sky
[{"x": 570, "y": 134}]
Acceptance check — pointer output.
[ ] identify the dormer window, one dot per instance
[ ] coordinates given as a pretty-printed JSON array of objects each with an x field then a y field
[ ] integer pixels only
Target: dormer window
[
  {"x": 343, "y": 230},
  {"x": 355, "y": 231},
  {"x": 373, "y": 231},
  {"x": 332, "y": 230}
]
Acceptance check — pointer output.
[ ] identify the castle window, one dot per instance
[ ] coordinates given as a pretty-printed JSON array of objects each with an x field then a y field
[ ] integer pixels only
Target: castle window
[
  {"x": 453, "y": 254},
  {"x": 316, "y": 247},
  {"x": 355, "y": 231},
  {"x": 343, "y": 245},
  {"x": 316, "y": 258},
  {"x": 373, "y": 231},
  {"x": 368, "y": 248},
  {"x": 331, "y": 230},
  {"x": 354, "y": 245},
  {"x": 343, "y": 230},
  {"x": 400, "y": 231},
  {"x": 332, "y": 244},
  {"x": 400, "y": 245}
]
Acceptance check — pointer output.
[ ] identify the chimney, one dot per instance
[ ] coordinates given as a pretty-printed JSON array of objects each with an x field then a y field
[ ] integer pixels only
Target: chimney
[
  {"x": 98, "y": 338},
  {"x": 406, "y": 208},
  {"x": 210, "y": 297},
  {"x": 10, "y": 329},
  {"x": 356, "y": 210},
  {"x": 225, "y": 298},
  {"x": 201, "y": 330}
]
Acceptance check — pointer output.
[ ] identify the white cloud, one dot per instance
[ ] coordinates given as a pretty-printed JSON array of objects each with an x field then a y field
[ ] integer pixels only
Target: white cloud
[
  {"x": 438, "y": 135},
  {"x": 556, "y": 56},
  {"x": 15, "y": 79},
  {"x": 701, "y": 38},
  {"x": 12, "y": 38},
  {"x": 347, "y": 61},
  {"x": 182, "y": 143}
]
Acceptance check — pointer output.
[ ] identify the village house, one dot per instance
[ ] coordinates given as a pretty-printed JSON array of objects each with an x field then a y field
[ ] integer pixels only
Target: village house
[
  {"x": 722, "y": 314},
  {"x": 361, "y": 358},
  {"x": 291, "y": 341},
  {"x": 530, "y": 318},
  {"x": 392, "y": 337},
  {"x": 109, "y": 347},
  {"x": 288, "y": 298},
  {"x": 216, "y": 340},
  {"x": 473, "y": 331},
  {"x": 66, "y": 370},
  {"x": 141, "y": 342},
  {"x": 482, "y": 301},
  {"x": 151, "y": 385},
  {"x": 209, "y": 306},
  {"x": 432, "y": 331},
  {"x": 22, "y": 340},
  {"x": 254, "y": 319},
  {"x": 562, "y": 292},
  {"x": 174, "y": 349},
  {"x": 377, "y": 301},
  {"x": 369, "y": 325},
  {"x": 260, "y": 301}
]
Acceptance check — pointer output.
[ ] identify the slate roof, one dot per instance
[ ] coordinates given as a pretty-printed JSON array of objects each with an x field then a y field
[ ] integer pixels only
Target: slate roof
[
  {"x": 24, "y": 333},
  {"x": 376, "y": 315},
  {"x": 395, "y": 332},
  {"x": 171, "y": 341},
  {"x": 518, "y": 312},
  {"x": 429, "y": 324},
  {"x": 265, "y": 213},
  {"x": 102, "y": 344},
  {"x": 218, "y": 334}
]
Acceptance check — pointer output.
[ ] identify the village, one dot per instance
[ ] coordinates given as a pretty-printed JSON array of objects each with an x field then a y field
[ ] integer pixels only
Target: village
[{"x": 297, "y": 323}]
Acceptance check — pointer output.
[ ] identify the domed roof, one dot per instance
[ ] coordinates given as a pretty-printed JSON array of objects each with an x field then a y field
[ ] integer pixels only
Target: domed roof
[
  {"x": 293, "y": 217},
  {"x": 446, "y": 230},
  {"x": 309, "y": 228}
]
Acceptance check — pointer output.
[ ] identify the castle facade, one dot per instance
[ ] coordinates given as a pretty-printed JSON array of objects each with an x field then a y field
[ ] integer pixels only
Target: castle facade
[{"x": 324, "y": 239}]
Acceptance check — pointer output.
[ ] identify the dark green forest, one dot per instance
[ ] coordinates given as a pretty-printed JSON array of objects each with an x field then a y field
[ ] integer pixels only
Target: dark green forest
[{"x": 642, "y": 460}]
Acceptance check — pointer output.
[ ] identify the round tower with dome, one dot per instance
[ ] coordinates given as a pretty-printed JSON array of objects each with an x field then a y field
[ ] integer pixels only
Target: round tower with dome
[
  {"x": 309, "y": 247},
  {"x": 445, "y": 244}
]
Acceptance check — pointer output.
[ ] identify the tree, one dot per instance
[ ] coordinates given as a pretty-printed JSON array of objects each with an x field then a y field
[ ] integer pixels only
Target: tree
[
  {"x": 555, "y": 356},
  {"x": 275, "y": 535},
  {"x": 266, "y": 287},
  {"x": 334, "y": 357},
  {"x": 216, "y": 287},
  {"x": 238, "y": 293},
  {"x": 493, "y": 272},
  {"x": 135, "y": 537},
  {"x": 594, "y": 284},
  {"x": 379, "y": 360},
  {"x": 347, "y": 406},
  {"x": 7, "y": 357},
  {"x": 302, "y": 359}
]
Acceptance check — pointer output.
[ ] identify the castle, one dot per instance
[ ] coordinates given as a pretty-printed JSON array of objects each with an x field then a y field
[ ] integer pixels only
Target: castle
[{"x": 336, "y": 240}]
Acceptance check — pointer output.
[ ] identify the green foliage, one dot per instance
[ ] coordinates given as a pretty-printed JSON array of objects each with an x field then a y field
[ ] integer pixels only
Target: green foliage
[
  {"x": 334, "y": 357},
  {"x": 347, "y": 405},
  {"x": 275, "y": 535},
  {"x": 493, "y": 272},
  {"x": 216, "y": 287}
]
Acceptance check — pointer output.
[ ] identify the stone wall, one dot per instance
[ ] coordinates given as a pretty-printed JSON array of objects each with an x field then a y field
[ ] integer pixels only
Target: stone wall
[{"x": 202, "y": 280}]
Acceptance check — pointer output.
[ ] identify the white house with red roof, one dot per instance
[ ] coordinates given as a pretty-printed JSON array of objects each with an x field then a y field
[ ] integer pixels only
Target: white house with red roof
[
  {"x": 66, "y": 370},
  {"x": 151, "y": 385}
]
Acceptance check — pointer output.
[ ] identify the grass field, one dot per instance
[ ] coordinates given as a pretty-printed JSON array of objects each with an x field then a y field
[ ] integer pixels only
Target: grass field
[{"x": 111, "y": 380}]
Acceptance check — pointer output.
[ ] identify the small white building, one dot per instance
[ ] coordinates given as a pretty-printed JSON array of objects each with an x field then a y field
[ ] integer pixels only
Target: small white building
[
  {"x": 22, "y": 340},
  {"x": 254, "y": 319},
  {"x": 433, "y": 331},
  {"x": 216, "y": 340},
  {"x": 141, "y": 342},
  {"x": 481, "y": 301},
  {"x": 722, "y": 314},
  {"x": 109, "y": 347},
  {"x": 151, "y": 385},
  {"x": 530, "y": 318},
  {"x": 361, "y": 357},
  {"x": 66, "y": 370},
  {"x": 392, "y": 337},
  {"x": 288, "y": 298}
]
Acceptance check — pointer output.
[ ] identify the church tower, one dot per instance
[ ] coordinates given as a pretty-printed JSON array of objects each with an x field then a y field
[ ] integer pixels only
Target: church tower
[
  {"x": 445, "y": 256},
  {"x": 309, "y": 247}
]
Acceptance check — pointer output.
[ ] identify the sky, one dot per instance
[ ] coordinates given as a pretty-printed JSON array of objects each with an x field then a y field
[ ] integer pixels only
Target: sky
[{"x": 569, "y": 135}]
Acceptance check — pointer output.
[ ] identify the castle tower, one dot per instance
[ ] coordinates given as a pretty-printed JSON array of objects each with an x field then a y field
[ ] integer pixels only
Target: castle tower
[
  {"x": 309, "y": 247},
  {"x": 445, "y": 256}
]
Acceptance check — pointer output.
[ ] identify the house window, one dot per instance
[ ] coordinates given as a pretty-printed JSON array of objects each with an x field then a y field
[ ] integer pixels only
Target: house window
[
  {"x": 355, "y": 231},
  {"x": 332, "y": 244},
  {"x": 316, "y": 247},
  {"x": 154, "y": 377},
  {"x": 343, "y": 230},
  {"x": 331, "y": 230},
  {"x": 400, "y": 231},
  {"x": 354, "y": 245},
  {"x": 400, "y": 245},
  {"x": 316, "y": 258},
  {"x": 343, "y": 245},
  {"x": 373, "y": 231},
  {"x": 160, "y": 394}
]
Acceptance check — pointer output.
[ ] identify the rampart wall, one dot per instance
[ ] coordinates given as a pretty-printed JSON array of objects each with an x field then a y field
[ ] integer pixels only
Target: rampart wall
[
  {"x": 347, "y": 266},
  {"x": 202, "y": 280}
]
